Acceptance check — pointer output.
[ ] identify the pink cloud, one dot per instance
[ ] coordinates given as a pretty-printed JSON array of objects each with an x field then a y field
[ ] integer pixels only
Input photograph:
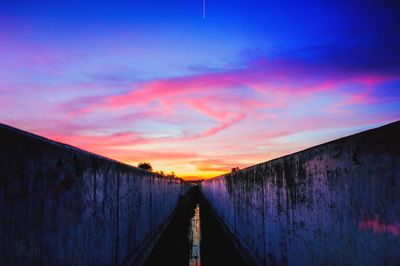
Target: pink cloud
[
  {"x": 145, "y": 155},
  {"x": 275, "y": 78},
  {"x": 260, "y": 102}
]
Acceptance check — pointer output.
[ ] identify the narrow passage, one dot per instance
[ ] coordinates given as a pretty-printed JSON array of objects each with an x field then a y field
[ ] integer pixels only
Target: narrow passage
[{"x": 194, "y": 238}]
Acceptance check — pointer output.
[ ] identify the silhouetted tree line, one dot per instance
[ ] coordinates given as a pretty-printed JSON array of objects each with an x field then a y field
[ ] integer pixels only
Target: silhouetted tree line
[
  {"x": 235, "y": 169},
  {"x": 147, "y": 166}
]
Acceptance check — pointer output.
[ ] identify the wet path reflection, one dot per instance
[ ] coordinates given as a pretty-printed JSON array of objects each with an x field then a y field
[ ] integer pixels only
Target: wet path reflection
[{"x": 195, "y": 238}]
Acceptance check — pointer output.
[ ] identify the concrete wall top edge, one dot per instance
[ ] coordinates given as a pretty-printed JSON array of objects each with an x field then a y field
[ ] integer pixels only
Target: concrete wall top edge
[
  {"x": 27, "y": 136},
  {"x": 393, "y": 126}
]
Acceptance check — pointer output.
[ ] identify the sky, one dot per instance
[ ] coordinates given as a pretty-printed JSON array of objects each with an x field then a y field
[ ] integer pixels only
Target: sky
[{"x": 198, "y": 94}]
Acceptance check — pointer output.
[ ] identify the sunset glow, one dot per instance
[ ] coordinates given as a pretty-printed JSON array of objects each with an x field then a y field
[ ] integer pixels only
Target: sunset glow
[{"x": 157, "y": 82}]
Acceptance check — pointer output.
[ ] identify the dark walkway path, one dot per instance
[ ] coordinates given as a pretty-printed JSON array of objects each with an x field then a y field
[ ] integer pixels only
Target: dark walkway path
[{"x": 175, "y": 245}]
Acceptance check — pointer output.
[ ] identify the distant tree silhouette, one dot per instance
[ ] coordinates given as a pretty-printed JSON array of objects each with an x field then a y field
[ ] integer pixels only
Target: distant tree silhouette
[
  {"x": 235, "y": 169},
  {"x": 146, "y": 166}
]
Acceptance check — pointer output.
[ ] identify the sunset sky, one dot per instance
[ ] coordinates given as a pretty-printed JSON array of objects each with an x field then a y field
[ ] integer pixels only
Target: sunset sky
[{"x": 155, "y": 81}]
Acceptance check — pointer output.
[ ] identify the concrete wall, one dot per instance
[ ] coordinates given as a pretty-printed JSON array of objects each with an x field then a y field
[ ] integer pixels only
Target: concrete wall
[
  {"x": 63, "y": 206},
  {"x": 333, "y": 204}
]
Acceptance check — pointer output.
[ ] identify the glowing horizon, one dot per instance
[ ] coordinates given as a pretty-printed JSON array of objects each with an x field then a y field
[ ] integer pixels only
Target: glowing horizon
[{"x": 156, "y": 82}]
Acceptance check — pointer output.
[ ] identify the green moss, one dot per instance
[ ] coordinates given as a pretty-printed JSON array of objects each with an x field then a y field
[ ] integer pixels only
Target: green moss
[
  {"x": 271, "y": 259},
  {"x": 78, "y": 166},
  {"x": 59, "y": 164}
]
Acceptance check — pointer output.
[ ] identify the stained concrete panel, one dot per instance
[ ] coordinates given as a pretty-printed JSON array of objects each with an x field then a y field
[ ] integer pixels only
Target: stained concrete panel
[
  {"x": 334, "y": 204},
  {"x": 64, "y": 206}
]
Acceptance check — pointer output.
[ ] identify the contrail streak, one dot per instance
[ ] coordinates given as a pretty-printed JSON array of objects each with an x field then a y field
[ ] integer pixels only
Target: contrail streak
[{"x": 204, "y": 8}]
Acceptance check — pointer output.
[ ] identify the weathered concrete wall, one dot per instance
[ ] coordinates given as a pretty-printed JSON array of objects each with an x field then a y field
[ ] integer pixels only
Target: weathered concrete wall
[
  {"x": 63, "y": 206},
  {"x": 333, "y": 204}
]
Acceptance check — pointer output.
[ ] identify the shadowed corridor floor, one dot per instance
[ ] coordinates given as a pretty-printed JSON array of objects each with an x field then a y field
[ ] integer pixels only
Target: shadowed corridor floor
[{"x": 193, "y": 222}]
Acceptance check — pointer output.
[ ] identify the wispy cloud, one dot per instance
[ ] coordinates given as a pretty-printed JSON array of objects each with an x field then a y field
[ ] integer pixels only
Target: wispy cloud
[{"x": 197, "y": 119}]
